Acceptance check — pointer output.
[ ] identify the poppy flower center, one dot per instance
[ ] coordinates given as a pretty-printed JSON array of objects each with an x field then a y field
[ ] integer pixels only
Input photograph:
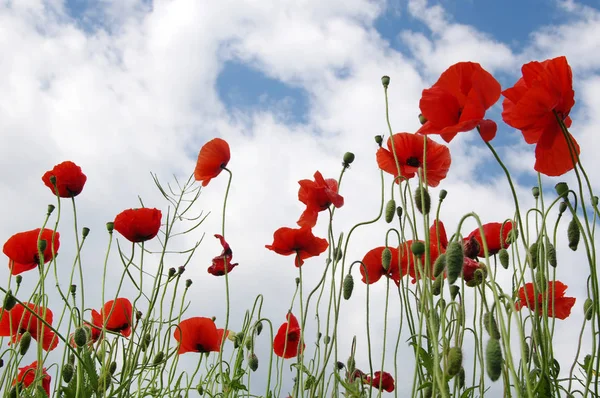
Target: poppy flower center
[
  {"x": 201, "y": 348},
  {"x": 413, "y": 162}
]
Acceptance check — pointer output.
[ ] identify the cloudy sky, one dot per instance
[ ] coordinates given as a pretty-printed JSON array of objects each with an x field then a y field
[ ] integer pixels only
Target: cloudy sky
[{"x": 128, "y": 87}]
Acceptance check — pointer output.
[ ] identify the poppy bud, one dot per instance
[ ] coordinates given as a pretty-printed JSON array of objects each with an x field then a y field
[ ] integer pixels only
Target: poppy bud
[
  {"x": 200, "y": 389},
  {"x": 551, "y": 254},
  {"x": 491, "y": 327},
  {"x": 478, "y": 276},
  {"x": 386, "y": 258},
  {"x": 348, "y": 159},
  {"x": 50, "y": 209},
  {"x": 338, "y": 253},
  {"x": 385, "y": 80},
  {"x": 110, "y": 226},
  {"x": 588, "y": 309},
  {"x": 339, "y": 365},
  {"x": 561, "y": 188},
  {"x": 427, "y": 392},
  {"x": 443, "y": 194},
  {"x": 379, "y": 139},
  {"x": 454, "y": 361},
  {"x": 24, "y": 343},
  {"x": 533, "y": 252},
  {"x": 146, "y": 341},
  {"x": 422, "y": 119},
  {"x": 512, "y": 236},
  {"x": 104, "y": 383},
  {"x": 171, "y": 272},
  {"x": 80, "y": 337},
  {"x": 188, "y": 283},
  {"x": 595, "y": 201},
  {"x": 526, "y": 349},
  {"x": 158, "y": 358},
  {"x": 112, "y": 368},
  {"x": 587, "y": 364},
  {"x": 390, "y": 209},
  {"x": 399, "y": 211},
  {"x": 439, "y": 265},
  {"x": 493, "y": 359},
  {"x": 541, "y": 281},
  {"x": 503, "y": 257},
  {"x": 348, "y": 286},
  {"x": 297, "y": 281},
  {"x": 436, "y": 288},
  {"x": 417, "y": 248},
  {"x": 253, "y": 362},
  {"x": 85, "y": 231},
  {"x": 536, "y": 192},
  {"x": 9, "y": 301},
  {"x": 42, "y": 244},
  {"x": 249, "y": 343},
  {"x": 460, "y": 316},
  {"x": 67, "y": 372},
  {"x": 238, "y": 340},
  {"x": 562, "y": 207},
  {"x": 454, "y": 290},
  {"x": 461, "y": 377},
  {"x": 422, "y": 200},
  {"x": 573, "y": 234},
  {"x": 454, "y": 261},
  {"x": 19, "y": 279},
  {"x": 326, "y": 339},
  {"x": 259, "y": 328}
]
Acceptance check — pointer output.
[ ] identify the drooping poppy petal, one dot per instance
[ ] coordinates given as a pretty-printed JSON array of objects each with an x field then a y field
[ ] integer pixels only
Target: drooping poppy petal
[
  {"x": 374, "y": 267},
  {"x": 556, "y": 306},
  {"x": 409, "y": 149},
  {"x": 198, "y": 334},
  {"x": 299, "y": 241},
  {"x": 383, "y": 379},
  {"x": 317, "y": 195},
  {"x": 212, "y": 159},
  {"x": 116, "y": 315},
  {"x": 218, "y": 263},
  {"x": 69, "y": 179},
  {"x": 22, "y": 249},
  {"x": 533, "y": 104},
  {"x": 20, "y": 320},
  {"x": 287, "y": 342},
  {"x": 27, "y": 376},
  {"x": 138, "y": 225},
  {"x": 437, "y": 235},
  {"x": 494, "y": 241}
]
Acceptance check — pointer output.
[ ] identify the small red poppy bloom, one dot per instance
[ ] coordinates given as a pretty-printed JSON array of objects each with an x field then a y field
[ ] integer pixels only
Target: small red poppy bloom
[
  {"x": 26, "y": 376},
  {"x": 438, "y": 231},
  {"x": 374, "y": 267},
  {"x": 218, "y": 263},
  {"x": 381, "y": 378},
  {"x": 530, "y": 105},
  {"x": 409, "y": 152},
  {"x": 198, "y": 334},
  {"x": 487, "y": 130},
  {"x": 212, "y": 159},
  {"x": 19, "y": 320},
  {"x": 470, "y": 274},
  {"x": 138, "y": 225},
  {"x": 299, "y": 241},
  {"x": 494, "y": 241},
  {"x": 69, "y": 179},
  {"x": 458, "y": 100},
  {"x": 287, "y": 340},
  {"x": 408, "y": 264},
  {"x": 558, "y": 306},
  {"x": 117, "y": 315},
  {"x": 317, "y": 195},
  {"x": 22, "y": 249}
]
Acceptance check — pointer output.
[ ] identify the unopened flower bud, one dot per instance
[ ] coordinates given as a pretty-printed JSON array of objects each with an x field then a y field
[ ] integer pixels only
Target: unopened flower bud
[
  {"x": 385, "y": 80},
  {"x": 422, "y": 200},
  {"x": 461, "y": 378},
  {"x": 399, "y": 211},
  {"x": 595, "y": 201},
  {"x": 338, "y": 254},
  {"x": 439, "y": 265},
  {"x": 561, "y": 188},
  {"x": 80, "y": 337},
  {"x": 200, "y": 389},
  {"x": 42, "y": 244},
  {"x": 417, "y": 248},
  {"x": 158, "y": 358},
  {"x": 454, "y": 361},
  {"x": 112, "y": 368},
  {"x": 535, "y": 191},
  {"x": 390, "y": 209},
  {"x": 259, "y": 328},
  {"x": 339, "y": 365},
  {"x": 454, "y": 290},
  {"x": 253, "y": 362},
  {"x": 50, "y": 209},
  {"x": 588, "y": 308},
  {"x": 67, "y": 372},
  {"x": 454, "y": 261},
  {"x": 348, "y": 286},
  {"x": 85, "y": 231},
  {"x": 386, "y": 258},
  {"x": 436, "y": 288},
  {"x": 188, "y": 283},
  {"x": 24, "y": 343},
  {"x": 489, "y": 322},
  {"x": 493, "y": 359},
  {"x": 348, "y": 159},
  {"x": 326, "y": 339},
  {"x": 503, "y": 257},
  {"x": 533, "y": 252},
  {"x": 104, "y": 383},
  {"x": 562, "y": 207},
  {"x": 379, "y": 139},
  {"x": 172, "y": 271},
  {"x": 573, "y": 234},
  {"x": 422, "y": 119},
  {"x": 9, "y": 301},
  {"x": 110, "y": 226},
  {"x": 443, "y": 194}
]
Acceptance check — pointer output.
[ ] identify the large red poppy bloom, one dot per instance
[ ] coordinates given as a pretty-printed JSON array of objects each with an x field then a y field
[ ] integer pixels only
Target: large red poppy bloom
[
  {"x": 374, "y": 267},
  {"x": 69, "y": 179},
  {"x": 317, "y": 195},
  {"x": 19, "y": 320},
  {"x": 530, "y": 105},
  {"x": 26, "y": 376},
  {"x": 198, "y": 334},
  {"x": 138, "y": 225},
  {"x": 558, "y": 306},
  {"x": 299, "y": 241},
  {"x": 22, "y": 249},
  {"x": 409, "y": 152},
  {"x": 218, "y": 263},
  {"x": 117, "y": 315},
  {"x": 494, "y": 241},
  {"x": 458, "y": 100},
  {"x": 287, "y": 340},
  {"x": 212, "y": 159},
  {"x": 381, "y": 378}
]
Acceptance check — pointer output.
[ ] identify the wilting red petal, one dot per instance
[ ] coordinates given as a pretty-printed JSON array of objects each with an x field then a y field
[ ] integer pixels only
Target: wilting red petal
[
  {"x": 299, "y": 241},
  {"x": 69, "y": 179},
  {"x": 433, "y": 234},
  {"x": 218, "y": 263},
  {"x": 317, "y": 195},
  {"x": 198, "y": 334},
  {"x": 138, "y": 225},
  {"x": 212, "y": 159},
  {"x": 287, "y": 340}
]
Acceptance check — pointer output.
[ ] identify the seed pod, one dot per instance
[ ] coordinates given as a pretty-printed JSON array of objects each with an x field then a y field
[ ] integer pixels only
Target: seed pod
[
  {"x": 535, "y": 191},
  {"x": 439, "y": 265},
  {"x": 461, "y": 377},
  {"x": 379, "y": 139},
  {"x": 9, "y": 301},
  {"x": 386, "y": 258},
  {"x": 588, "y": 309},
  {"x": 348, "y": 286},
  {"x": 385, "y": 81},
  {"x": 443, "y": 194},
  {"x": 493, "y": 359},
  {"x": 533, "y": 252},
  {"x": 390, "y": 209},
  {"x": 454, "y": 261},
  {"x": 422, "y": 198},
  {"x": 253, "y": 362},
  {"x": 417, "y": 248},
  {"x": 551, "y": 254},
  {"x": 454, "y": 290},
  {"x": 489, "y": 322},
  {"x": 24, "y": 343},
  {"x": 348, "y": 159},
  {"x": 67, "y": 372},
  {"x": 503, "y": 257},
  {"x": 454, "y": 361},
  {"x": 436, "y": 288},
  {"x": 561, "y": 188},
  {"x": 573, "y": 234},
  {"x": 158, "y": 358},
  {"x": 80, "y": 337}
]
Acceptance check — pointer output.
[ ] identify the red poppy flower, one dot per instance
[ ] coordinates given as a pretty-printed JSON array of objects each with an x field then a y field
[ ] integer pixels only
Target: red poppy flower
[
  {"x": 437, "y": 228},
  {"x": 491, "y": 232},
  {"x": 558, "y": 305},
  {"x": 381, "y": 378},
  {"x": 26, "y": 376},
  {"x": 69, "y": 179},
  {"x": 469, "y": 272},
  {"x": 198, "y": 334},
  {"x": 287, "y": 340},
  {"x": 375, "y": 270},
  {"x": 19, "y": 320},
  {"x": 317, "y": 195},
  {"x": 530, "y": 105},
  {"x": 218, "y": 263},
  {"x": 409, "y": 152},
  {"x": 299, "y": 241},
  {"x": 138, "y": 225},
  {"x": 487, "y": 130},
  {"x": 212, "y": 159},
  {"x": 458, "y": 100},
  {"x": 22, "y": 249},
  {"x": 117, "y": 315}
]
